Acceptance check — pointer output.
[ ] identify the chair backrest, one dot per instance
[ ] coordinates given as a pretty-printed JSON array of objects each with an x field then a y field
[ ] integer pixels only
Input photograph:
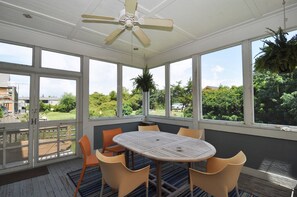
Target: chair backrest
[
  {"x": 107, "y": 136},
  {"x": 113, "y": 169},
  {"x": 194, "y": 133},
  {"x": 85, "y": 146},
  {"x": 149, "y": 128},
  {"x": 230, "y": 169}
]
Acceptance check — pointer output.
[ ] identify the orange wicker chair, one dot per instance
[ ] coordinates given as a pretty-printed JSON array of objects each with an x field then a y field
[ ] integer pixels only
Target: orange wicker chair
[
  {"x": 108, "y": 144},
  {"x": 89, "y": 159},
  {"x": 119, "y": 177},
  {"x": 149, "y": 128},
  {"x": 221, "y": 176},
  {"x": 193, "y": 133}
]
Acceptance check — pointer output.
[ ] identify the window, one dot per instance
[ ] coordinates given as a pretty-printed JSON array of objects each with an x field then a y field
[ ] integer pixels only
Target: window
[
  {"x": 14, "y": 97},
  {"x": 102, "y": 89},
  {"x": 222, "y": 90},
  {"x": 157, "y": 97},
  {"x": 132, "y": 99},
  {"x": 60, "y": 61},
  {"x": 16, "y": 54},
  {"x": 181, "y": 88},
  {"x": 275, "y": 95},
  {"x": 57, "y": 103}
]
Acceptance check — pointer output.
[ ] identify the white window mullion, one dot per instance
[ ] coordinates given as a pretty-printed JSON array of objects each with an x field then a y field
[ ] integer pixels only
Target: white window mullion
[
  {"x": 119, "y": 91},
  {"x": 167, "y": 91},
  {"x": 196, "y": 83},
  {"x": 248, "y": 103}
]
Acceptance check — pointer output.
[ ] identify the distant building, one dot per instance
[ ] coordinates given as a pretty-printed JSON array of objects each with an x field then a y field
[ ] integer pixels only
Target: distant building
[
  {"x": 8, "y": 94},
  {"x": 211, "y": 88},
  {"x": 25, "y": 101}
]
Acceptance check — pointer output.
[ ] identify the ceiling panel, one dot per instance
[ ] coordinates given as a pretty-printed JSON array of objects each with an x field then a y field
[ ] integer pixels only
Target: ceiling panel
[
  {"x": 60, "y": 9},
  {"x": 273, "y": 5},
  {"x": 36, "y": 22},
  {"x": 193, "y": 19},
  {"x": 199, "y": 18}
]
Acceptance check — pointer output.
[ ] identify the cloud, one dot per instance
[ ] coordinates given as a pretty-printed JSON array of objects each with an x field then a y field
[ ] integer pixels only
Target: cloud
[{"x": 217, "y": 69}]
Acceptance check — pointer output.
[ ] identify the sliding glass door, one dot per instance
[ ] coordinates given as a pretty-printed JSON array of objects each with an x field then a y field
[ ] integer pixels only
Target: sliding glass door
[
  {"x": 57, "y": 118},
  {"x": 15, "y": 116}
]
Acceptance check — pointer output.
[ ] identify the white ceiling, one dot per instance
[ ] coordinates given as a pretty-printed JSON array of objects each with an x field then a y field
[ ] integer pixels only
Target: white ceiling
[{"x": 193, "y": 20}]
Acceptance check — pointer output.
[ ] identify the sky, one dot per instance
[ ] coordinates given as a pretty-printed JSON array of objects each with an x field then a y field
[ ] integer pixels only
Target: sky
[{"x": 223, "y": 67}]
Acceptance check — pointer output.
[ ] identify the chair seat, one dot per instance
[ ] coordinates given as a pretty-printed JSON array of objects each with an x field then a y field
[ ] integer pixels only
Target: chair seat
[{"x": 115, "y": 149}]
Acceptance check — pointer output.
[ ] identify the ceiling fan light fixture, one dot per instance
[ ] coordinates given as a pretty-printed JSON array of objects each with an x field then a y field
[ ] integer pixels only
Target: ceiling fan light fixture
[{"x": 129, "y": 19}]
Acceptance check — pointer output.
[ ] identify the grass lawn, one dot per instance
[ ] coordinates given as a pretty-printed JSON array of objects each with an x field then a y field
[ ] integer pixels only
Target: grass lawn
[
  {"x": 59, "y": 116},
  {"x": 161, "y": 112},
  {"x": 157, "y": 112}
]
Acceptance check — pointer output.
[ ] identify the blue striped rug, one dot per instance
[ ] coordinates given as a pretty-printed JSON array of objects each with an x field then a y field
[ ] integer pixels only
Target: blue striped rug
[{"x": 175, "y": 177}]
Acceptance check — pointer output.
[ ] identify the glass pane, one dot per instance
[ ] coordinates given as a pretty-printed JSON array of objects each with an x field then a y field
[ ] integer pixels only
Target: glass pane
[
  {"x": 47, "y": 151},
  {"x": 275, "y": 95},
  {"x": 48, "y": 134},
  {"x": 1, "y": 158},
  {"x": 1, "y": 138},
  {"x": 222, "y": 90},
  {"x": 181, "y": 89},
  {"x": 15, "y": 54},
  {"x": 157, "y": 97},
  {"x": 60, "y": 61},
  {"x": 102, "y": 89},
  {"x": 17, "y": 155},
  {"x": 17, "y": 138},
  {"x": 67, "y": 148},
  {"x": 67, "y": 132},
  {"x": 57, "y": 103},
  {"x": 14, "y": 98},
  {"x": 132, "y": 99}
]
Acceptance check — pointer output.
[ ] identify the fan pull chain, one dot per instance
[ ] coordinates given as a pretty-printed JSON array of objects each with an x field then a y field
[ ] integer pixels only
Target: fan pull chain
[{"x": 285, "y": 19}]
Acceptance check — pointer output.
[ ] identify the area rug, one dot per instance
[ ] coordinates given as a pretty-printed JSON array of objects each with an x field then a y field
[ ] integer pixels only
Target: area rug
[
  {"x": 174, "y": 177},
  {"x": 22, "y": 175}
]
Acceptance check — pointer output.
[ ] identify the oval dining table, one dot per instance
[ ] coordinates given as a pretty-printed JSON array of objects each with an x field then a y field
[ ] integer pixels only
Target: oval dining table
[{"x": 164, "y": 146}]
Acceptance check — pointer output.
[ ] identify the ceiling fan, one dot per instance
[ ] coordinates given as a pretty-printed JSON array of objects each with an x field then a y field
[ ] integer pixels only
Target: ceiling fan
[{"x": 129, "y": 19}]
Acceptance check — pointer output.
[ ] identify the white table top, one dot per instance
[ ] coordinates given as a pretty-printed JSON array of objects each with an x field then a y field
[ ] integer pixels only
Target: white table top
[{"x": 163, "y": 146}]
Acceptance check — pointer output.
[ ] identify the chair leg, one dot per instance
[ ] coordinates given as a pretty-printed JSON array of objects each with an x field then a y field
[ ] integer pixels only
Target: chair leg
[
  {"x": 80, "y": 179},
  {"x": 237, "y": 192},
  {"x": 146, "y": 193},
  {"x": 102, "y": 187},
  {"x": 192, "y": 193}
]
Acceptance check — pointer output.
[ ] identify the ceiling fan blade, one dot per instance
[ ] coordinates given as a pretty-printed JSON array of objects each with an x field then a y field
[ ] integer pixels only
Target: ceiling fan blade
[
  {"x": 130, "y": 6},
  {"x": 100, "y": 21},
  {"x": 141, "y": 36},
  {"x": 97, "y": 17},
  {"x": 156, "y": 22},
  {"x": 109, "y": 39}
]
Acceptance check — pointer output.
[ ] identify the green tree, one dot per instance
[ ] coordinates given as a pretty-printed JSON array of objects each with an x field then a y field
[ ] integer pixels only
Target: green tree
[
  {"x": 67, "y": 103},
  {"x": 1, "y": 112},
  {"x": 113, "y": 95},
  {"x": 127, "y": 110},
  {"x": 275, "y": 98},
  {"x": 223, "y": 103}
]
